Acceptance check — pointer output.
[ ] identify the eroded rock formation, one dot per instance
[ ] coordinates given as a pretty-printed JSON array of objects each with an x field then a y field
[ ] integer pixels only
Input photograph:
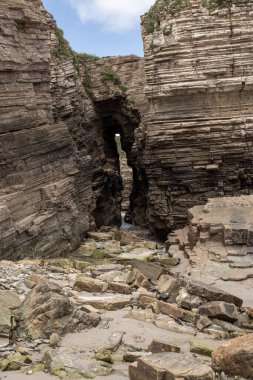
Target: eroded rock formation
[
  {"x": 197, "y": 135},
  {"x": 59, "y": 166}
]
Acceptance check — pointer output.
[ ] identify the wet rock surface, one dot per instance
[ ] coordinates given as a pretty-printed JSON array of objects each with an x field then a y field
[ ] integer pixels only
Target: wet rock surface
[{"x": 97, "y": 315}]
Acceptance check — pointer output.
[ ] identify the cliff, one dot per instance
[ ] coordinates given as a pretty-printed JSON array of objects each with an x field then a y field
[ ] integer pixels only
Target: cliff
[
  {"x": 59, "y": 175},
  {"x": 196, "y": 139}
]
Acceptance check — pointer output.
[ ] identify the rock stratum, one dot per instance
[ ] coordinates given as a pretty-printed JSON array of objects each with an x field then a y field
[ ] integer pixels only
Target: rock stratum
[
  {"x": 59, "y": 175},
  {"x": 183, "y": 114},
  {"x": 196, "y": 138}
]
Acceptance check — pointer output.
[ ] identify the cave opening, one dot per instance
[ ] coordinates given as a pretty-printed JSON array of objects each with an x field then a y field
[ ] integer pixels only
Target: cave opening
[{"x": 122, "y": 187}]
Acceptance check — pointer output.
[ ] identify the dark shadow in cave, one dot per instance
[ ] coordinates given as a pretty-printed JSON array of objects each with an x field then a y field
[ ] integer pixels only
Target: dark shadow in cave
[{"x": 119, "y": 121}]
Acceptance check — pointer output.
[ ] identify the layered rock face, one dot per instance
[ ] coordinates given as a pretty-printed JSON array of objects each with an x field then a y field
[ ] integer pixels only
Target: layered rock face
[
  {"x": 116, "y": 86},
  {"x": 39, "y": 162},
  {"x": 59, "y": 168},
  {"x": 197, "y": 136}
]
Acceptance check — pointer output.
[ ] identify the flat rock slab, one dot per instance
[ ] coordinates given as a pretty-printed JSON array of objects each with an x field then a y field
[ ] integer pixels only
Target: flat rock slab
[
  {"x": 149, "y": 270},
  {"x": 107, "y": 302},
  {"x": 221, "y": 310},
  {"x": 5, "y": 321},
  {"x": 141, "y": 254},
  {"x": 170, "y": 366},
  {"x": 89, "y": 284},
  {"x": 100, "y": 236},
  {"x": 9, "y": 299},
  {"x": 63, "y": 361},
  {"x": 208, "y": 292}
]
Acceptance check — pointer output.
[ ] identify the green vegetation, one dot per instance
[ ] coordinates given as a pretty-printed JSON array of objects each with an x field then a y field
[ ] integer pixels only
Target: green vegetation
[
  {"x": 214, "y": 4},
  {"x": 63, "y": 49},
  {"x": 159, "y": 10},
  {"x": 87, "y": 86},
  {"x": 86, "y": 57},
  {"x": 111, "y": 76}
]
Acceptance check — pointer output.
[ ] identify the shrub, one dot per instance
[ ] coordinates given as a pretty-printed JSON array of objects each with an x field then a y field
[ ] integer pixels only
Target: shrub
[
  {"x": 86, "y": 56},
  {"x": 111, "y": 76},
  {"x": 87, "y": 86}
]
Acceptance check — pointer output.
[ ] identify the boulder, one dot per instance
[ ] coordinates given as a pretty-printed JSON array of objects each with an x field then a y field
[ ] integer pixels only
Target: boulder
[
  {"x": 9, "y": 299},
  {"x": 208, "y": 292},
  {"x": 235, "y": 357},
  {"x": 66, "y": 363},
  {"x": 203, "y": 347},
  {"x": 221, "y": 310},
  {"x": 176, "y": 312},
  {"x": 150, "y": 271},
  {"x": 89, "y": 284},
  {"x": 171, "y": 366},
  {"x": 106, "y": 302},
  {"x": 158, "y": 346},
  {"x": 46, "y": 310},
  {"x": 5, "y": 322},
  {"x": 100, "y": 236},
  {"x": 125, "y": 238}
]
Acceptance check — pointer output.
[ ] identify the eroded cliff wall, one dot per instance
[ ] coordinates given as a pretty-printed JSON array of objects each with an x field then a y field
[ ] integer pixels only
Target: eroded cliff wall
[
  {"x": 196, "y": 139},
  {"x": 57, "y": 176},
  {"x": 39, "y": 163}
]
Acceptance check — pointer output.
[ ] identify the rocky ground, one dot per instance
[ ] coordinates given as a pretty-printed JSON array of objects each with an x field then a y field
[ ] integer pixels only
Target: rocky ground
[{"x": 126, "y": 307}]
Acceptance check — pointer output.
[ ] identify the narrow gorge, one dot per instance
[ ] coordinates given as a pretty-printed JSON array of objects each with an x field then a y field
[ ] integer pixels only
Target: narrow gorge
[{"x": 166, "y": 141}]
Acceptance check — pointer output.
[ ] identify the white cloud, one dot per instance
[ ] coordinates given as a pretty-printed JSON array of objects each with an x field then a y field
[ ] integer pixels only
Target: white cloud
[{"x": 113, "y": 15}]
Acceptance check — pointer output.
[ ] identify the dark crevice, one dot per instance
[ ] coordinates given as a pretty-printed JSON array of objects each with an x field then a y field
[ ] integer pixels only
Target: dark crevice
[{"x": 118, "y": 119}]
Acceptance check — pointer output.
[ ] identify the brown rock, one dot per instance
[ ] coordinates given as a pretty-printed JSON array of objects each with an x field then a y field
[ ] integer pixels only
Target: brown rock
[
  {"x": 208, "y": 292},
  {"x": 158, "y": 346},
  {"x": 89, "y": 284},
  {"x": 46, "y": 310},
  {"x": 235, "y": 358},
  {"x": 221, "y": 310},
  {"x": 176, "y": 312},
  {"x": 171, "y": 366}
]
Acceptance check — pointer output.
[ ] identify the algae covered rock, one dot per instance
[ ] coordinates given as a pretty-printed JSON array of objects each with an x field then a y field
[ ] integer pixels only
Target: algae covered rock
[{"x": 46, "y": 310}]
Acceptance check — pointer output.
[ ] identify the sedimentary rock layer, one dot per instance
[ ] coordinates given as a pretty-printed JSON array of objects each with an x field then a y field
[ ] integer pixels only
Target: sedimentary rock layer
[
  {"x": 38, "y": 160},
  {"x": 197, "y": 135},
  {"x": 57, "y": 176}
]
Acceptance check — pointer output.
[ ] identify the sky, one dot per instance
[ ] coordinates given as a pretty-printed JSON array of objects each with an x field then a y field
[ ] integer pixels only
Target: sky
[{"x": 101, "y": 27}]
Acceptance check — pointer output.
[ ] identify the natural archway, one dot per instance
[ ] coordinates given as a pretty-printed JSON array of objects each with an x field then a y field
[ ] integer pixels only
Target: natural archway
[{"x": 118, "y": 123}]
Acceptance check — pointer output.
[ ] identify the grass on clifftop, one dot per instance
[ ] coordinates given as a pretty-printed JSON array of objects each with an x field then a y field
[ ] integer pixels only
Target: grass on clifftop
[
  {"x": 63, "y": 50},
  {"x": 111, "y": 76},
  {"x": 87, "y": 86},
  {"x": 159, "y": 10}
]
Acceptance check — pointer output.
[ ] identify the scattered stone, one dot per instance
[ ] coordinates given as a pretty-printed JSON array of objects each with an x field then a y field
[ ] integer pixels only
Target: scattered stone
[
  {"x": 46, "y": 310},
  {"x": 203, "y": 347},
  {"x": 175, "y": 312},
  {"x": 208, "y": 292},
  {"x": 169, "y": 324},
  {"x": 131, "y": 357},
  {"x": 221, "y": 310},
  {"x": 105, "y": 356},
  {"x": 100, "y": 236},
  {"x": 125, "y": 238},
  {"x": 159, "y": 346},
  {"x": 235, "y": 357},
  {"x": 172, "y": 366},
  {"x": 54, "y": 340},
  {"x": 9, "y": 299},
  {"x": 89, "y": 284},
  {"x": 150, "y": 271},
  {"x": 106, "y": 302},
  {"x": 5, "y": 322},
  {"x": 165, "y": 283},
  {"x": 63, "y": 363}
]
